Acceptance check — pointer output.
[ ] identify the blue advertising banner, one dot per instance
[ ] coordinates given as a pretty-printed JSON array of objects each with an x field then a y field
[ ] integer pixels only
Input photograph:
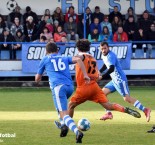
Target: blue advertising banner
[{"x": 33, "y": 53}]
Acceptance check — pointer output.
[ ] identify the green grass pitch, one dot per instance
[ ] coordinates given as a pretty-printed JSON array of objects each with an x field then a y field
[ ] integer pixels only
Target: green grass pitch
[{"x": 30, "y": 114}]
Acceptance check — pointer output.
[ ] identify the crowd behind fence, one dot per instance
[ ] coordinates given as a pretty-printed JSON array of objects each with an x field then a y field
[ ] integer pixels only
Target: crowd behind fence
[{"x": 69, "y": 27}]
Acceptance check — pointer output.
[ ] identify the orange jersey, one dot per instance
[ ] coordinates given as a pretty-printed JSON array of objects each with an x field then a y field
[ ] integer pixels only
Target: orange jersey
[{"x": 90, "y": 64}]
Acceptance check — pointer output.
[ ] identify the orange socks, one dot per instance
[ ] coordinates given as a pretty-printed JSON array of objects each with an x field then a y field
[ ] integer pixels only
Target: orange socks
[{"x": 118, "y": 107}]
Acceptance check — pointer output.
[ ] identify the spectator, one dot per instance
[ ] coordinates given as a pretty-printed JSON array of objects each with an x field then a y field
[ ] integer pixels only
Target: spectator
[
  {"x": 95, "y": 24},
  {"x": 28, "y": 13},
  {"x": 47, "y": 13},
  {"x": 58, "y": 15},
  {"x": 64, "y": 39},
  {"x": 49, "y": 25},
  {"x": 2, "y": 24},
  {"x": 30, "y": 30},
  {"x": 80, "y": 29},
  {"x": 116, "y": 23},
  {"x": 19, "y": 37},
  {"x": 7, "y": 37},
  {"x": 151, "y": 37},
  {"x": 16, "y": 26},
  {"x": 71, "y": 13},
  {"x": 130, "y": 27},
  {"x": 42, "y": 24},
  {"x": 145, "y": 21},
  {"x": 97, "y": 14},
  {"x": 88, "y": 22},
  {"x": 120, "y": 35},
  {"x": 89, "y": 16},
  {"x": 140, "y": 35},
  {"x": 71, "y": 30},
  {"x": 106, "y": 35},
  {"x": 43, "y": 39},
  {"x": 106, "y": 22},
  {"x": 55, "y": 26},
  {"x": 94, "y": 36},
  {"x": 47, "y": 34},
  {"x": 115, "y": 13},
  {"x": 152, "y": 15},
  {"x": 130, "y": 12},
  {"x": 15, "y": 13},
  {"x": 59, "y": 34}
]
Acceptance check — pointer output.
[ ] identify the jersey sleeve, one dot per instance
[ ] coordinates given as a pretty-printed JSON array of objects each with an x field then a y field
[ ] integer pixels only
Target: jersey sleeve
[
  {"x": 41, "y": 67},
  {"x": 70, "y": 60},
  {"x": 112, "y": 59}
]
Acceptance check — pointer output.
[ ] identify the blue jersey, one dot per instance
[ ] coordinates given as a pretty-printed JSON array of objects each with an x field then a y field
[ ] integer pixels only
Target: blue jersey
[
  {"x": 57, "y": 69},
  {"x": 118, "y": 76}
]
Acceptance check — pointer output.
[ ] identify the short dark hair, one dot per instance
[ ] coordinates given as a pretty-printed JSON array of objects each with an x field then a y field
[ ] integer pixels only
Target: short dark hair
[
  {"x": 104, "y": 43},
  {"x": 97, "y": 7},
  {"x": 51, "y": 47},
  {"x": 43, "y": 37},
  {"x": 28, "y": 8},
  {"x": 83, "y": 45}
]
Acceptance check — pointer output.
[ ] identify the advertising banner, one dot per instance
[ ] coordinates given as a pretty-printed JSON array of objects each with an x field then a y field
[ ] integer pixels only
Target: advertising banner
[{"x": 33, "y": 53}]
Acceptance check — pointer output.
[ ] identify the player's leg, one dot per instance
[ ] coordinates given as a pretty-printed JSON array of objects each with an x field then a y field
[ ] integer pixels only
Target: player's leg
[
  {"x": 68, "y": 94},
  {"x": 120, "y": 108},
  {"x": 108, "y": 88},
  {"x": 123, "y": 90},
  {"x": 80, "y": 96},
  {"x": 102, "y": 99},
  {"x": 61, "y": 92}
]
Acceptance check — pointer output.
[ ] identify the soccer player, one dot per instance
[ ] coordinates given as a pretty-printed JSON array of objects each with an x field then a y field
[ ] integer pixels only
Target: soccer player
[
  {"x": 119, "y": 81},
  {"x": 57, "y": 69}
]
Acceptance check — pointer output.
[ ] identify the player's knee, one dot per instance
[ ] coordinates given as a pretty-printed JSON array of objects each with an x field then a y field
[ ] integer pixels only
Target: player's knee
[
  {"x": 71, "y": 105},
  {"x": 127, "y": 99}
]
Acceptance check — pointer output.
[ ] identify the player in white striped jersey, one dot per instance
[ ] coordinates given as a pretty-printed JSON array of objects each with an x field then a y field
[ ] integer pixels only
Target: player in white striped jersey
[{"x": 119, "y": 81}]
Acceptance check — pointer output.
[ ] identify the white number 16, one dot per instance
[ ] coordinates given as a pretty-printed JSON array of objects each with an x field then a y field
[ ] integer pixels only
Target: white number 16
[{"x": 60, "y": 66}]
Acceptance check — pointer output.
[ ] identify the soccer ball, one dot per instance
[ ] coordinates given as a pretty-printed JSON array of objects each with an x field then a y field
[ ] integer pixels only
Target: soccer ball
[
  {"x": 11, "y": 5},
  {"x": 83, "y": 124}
]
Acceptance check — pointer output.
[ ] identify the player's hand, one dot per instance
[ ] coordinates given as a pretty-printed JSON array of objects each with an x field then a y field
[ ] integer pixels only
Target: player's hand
[
  {"x": 87, "y": 79},
  {"x": 99, "y": 77}
]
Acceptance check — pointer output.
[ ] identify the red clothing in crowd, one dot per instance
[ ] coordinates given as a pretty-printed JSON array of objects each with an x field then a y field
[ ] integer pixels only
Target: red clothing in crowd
[{"x": 120, "y": 37}]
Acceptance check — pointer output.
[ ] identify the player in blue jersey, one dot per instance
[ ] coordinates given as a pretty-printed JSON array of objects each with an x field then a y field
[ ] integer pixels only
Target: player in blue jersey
[
  {"x": 119, "y": 81},
  {"x": 57, "y": 69}
]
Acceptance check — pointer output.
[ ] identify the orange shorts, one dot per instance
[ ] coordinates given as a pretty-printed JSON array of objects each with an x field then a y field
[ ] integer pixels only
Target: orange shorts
[{"x": 91, "y": 92}]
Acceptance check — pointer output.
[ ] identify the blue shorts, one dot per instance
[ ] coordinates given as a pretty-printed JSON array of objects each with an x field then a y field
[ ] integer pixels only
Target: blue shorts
[
  {"x": 122, "y": 88},
  {"x": 60, "y": 95}
]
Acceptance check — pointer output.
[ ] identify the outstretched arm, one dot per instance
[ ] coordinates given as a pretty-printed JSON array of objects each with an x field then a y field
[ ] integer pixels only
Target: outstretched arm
[{"x": 109, "y": 71}]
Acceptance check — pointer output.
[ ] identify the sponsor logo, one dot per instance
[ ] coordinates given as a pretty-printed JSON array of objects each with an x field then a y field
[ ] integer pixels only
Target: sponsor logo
[{"x": 38, "y": 52}]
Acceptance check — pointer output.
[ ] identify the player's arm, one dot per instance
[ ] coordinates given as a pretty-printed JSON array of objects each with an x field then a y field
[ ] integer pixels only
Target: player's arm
[
  {"x": 40, "y": 72},
  {"x": 38, "y": 78},
  {"x": 77, "y": 59},
  {"x": 108, "y": 72},
  {"x": 103, "y": 68}
]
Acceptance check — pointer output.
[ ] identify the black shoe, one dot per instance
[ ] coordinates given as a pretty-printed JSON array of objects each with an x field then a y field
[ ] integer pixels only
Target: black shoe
[
  {"x": 132, "y": 112},
  {"x": 152, "y": 130},
  {"x": 64, "y": 131},
  {"x": 79, "y": 137}
]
